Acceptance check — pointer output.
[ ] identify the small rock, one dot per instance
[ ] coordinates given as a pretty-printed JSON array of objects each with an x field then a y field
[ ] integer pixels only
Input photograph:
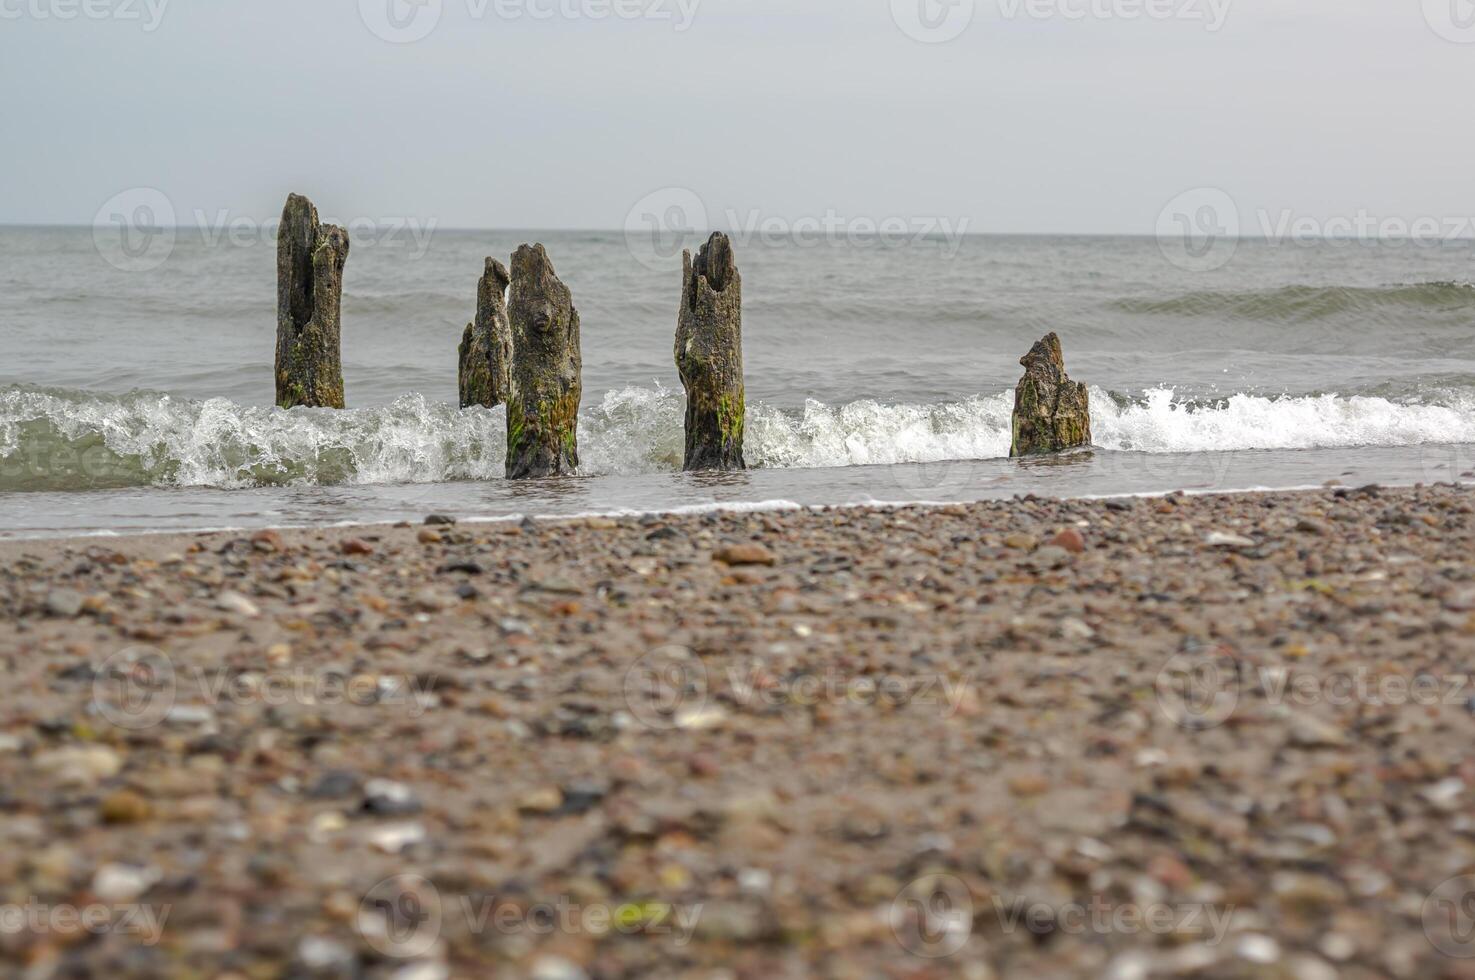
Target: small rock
[
  {"x": 356, "y": 546},
  {"x": 319, "y": 954},
  {"x": 1051, "y": 557},
  {"x": 427, "y": 536},
  {"x": 125, "y": 807},
  {"x": 64, "y": 604},
  {"x": 1310, "y": 732},
  {"x": 1445, "y": 795},
  {"x": 1310, "y": 525},
  {"x": 234, "y": 602},
  {"x": 1022, "y": 542},
  {"x": 396, "y": 837},
  {"x": 266, "y": 541},
  {"x": 439, "y": 520},
  {"x": 1071, "y": 540},
  {"x": 1221, "y": 539},
  {"x": 334, "y": 785},
  {"x": 190, "y": 715},
  {"x": 750, "y": 553},
  {"x": 430, "y": 600},
  {"x": 700, "y": 718},
  {"x": 123, "y": 882},
  {"x": 80, "y": 766},
  {"x": 1030, "y": 784},
  {"x": 544, "y": 800},
  {"x": 557, "y": 968},
  {"x": 385, "y": 798},
  {"x": 1258, "y": 949}
]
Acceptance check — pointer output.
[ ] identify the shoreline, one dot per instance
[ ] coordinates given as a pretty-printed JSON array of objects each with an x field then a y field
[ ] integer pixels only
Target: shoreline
[
  {"x": 774, "y": 506},
  {"x": 766, "y": 741}
]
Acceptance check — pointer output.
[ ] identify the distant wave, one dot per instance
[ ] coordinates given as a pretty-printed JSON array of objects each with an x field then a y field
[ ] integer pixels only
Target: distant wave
[
  {"x": 57, "y": 440},
  {"x": 1309, "y": 303}
]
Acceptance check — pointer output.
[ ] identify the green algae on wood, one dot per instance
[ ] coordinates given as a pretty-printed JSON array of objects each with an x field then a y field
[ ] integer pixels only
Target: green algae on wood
[
  {"x": 545, "y": 382},
  {"x": 709, "y": 357},
  {"x": 1051, "y": 412},
  {"x": 486, "y": 348},
  {"x": 310, "y": 261}
]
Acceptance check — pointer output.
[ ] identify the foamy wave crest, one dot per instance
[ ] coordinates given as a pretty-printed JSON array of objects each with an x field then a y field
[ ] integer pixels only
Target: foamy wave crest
[
  {"x": 66, "y": 440},
  {"x": 1160, "y": 423}
]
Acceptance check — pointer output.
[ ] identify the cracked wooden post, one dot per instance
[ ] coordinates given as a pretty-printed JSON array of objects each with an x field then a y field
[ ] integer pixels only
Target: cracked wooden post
[
  {"x": 486, "y": 349},
  {"x": 1051, "y": 412},
  {"x": 709, "y": 356},
  {"x": 310, "y": 259},
  {"x": 546, "y": 384}
]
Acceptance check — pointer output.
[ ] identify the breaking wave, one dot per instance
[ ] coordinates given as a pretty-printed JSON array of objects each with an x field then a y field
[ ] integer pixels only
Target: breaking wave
[{"x": 61, "y": 440}]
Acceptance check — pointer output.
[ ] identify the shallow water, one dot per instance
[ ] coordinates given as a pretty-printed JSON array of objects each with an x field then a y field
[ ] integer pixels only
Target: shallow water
[{"x": 137, "y": 400}]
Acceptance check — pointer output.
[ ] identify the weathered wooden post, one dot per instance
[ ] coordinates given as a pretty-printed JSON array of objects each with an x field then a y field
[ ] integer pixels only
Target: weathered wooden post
[
  {"x": 486, "y": 349},
  {"x": 709, "y": 357},
  {"x": 546, "y": 384},
  {"x": 1051, "y": 412},
  {"x": 310, "y": 259}
]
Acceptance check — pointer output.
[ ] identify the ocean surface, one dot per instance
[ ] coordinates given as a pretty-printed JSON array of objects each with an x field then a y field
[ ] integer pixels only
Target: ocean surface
[{"x": 135, "y": 399}]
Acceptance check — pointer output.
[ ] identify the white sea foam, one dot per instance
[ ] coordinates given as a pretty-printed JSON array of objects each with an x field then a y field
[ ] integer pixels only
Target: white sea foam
[{"x": 60, "y": 440}]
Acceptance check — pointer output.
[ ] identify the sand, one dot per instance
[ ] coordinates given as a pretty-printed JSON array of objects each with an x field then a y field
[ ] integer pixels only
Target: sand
[{"x": 1219, "y": 736}]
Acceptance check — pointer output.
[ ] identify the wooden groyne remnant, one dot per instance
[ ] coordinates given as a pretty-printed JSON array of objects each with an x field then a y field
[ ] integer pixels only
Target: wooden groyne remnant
[
  {"x": 709, "y": 357},
  {"x": 310, "y": 260},
  {"x": 486, "y": 349},
  {"x": 546, "y": 382},
  {"x": 1051, "y": 412}
]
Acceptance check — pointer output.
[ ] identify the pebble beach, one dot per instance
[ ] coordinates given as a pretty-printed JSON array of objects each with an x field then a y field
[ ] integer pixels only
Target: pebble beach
[{"x": 1223, "y": 736}]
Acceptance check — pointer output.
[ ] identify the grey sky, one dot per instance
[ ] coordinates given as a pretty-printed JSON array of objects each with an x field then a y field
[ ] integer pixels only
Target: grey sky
[{"x": 1029, "y": 120}]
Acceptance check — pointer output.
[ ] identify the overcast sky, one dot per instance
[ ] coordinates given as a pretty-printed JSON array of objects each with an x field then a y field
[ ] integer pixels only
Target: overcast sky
[{"x": 1038, "y": 116}]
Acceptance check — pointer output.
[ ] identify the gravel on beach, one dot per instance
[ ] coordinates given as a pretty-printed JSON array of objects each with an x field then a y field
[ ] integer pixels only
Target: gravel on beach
[{"x": 1224, "y": 736}]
